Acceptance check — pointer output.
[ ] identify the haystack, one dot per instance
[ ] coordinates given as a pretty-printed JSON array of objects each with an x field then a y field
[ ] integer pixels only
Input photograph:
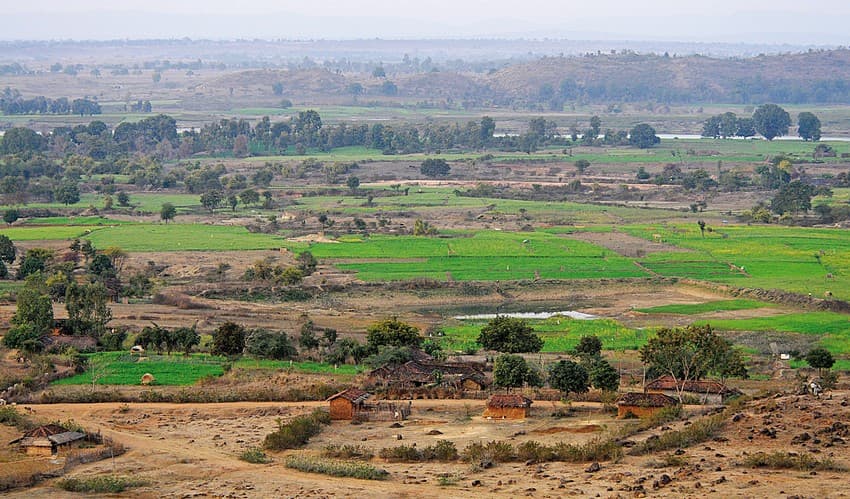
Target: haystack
[{"x": 148, "y": 379}]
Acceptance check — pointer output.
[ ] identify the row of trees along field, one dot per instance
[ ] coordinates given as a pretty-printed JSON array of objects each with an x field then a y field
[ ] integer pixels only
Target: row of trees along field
[
  {"x": 157, "y": 136},
  {"x": 768, "y": 120}
]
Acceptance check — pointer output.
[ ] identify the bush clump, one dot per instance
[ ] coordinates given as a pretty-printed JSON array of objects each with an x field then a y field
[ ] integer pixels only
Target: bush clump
[
  {"x": 106, "y": 484},
  {"x": 790, "y": 461},
  {"x": 701, "y": 430},
  {"x": 297, "y": 432},
  {"x": 254, "y": 455},
  {"x": 347, "y": 451},
  {"x": 350, "y": 469}
]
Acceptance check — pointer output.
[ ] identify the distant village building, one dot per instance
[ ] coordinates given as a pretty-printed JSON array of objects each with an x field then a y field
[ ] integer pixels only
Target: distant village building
[
  {"x": 351, "y": 404},
  {"x": 48, "y": 440},
  {"x": 502, "y": 406},
  {"x": 705, "y": 391},
  {"x": 420, "y": 373},
  {"x": 642, "y": 405}
]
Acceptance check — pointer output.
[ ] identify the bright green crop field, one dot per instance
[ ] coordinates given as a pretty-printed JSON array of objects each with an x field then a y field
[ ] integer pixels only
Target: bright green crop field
[
  {"x": 485, "y": 255},
  {"x": 120, "y": 368},
  {"x": 832, "y": 328},
  {"x": 182, "y": 237},
  {"x": 559, "y": 334},
  {"x": 797, "y": 259}
]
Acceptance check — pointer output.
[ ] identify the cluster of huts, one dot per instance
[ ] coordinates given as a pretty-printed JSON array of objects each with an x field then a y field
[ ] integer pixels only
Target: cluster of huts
[{"x": 355, "y": 404}]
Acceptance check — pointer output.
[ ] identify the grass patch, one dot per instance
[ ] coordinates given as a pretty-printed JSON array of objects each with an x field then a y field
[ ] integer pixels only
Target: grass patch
[
  {"x": 347, "y": 451},
  {"x": 332, "y": 467},
  {"x": 254, "y": 455},
  {"x": 790, "y": 461},
  {"x": 699, "y": 431},
  {"x": 304, "y": 366},
  {"x": 703, "y": 308},
  {"x": 107, "y": 484}
]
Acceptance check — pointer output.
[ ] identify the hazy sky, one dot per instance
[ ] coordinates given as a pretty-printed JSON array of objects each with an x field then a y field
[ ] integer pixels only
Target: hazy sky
[{"x": 768, "y": 21}]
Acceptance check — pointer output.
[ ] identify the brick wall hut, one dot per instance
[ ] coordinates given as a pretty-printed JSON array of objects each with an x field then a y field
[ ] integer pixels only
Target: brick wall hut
[
  {"x": 642, "y": 405},
  {"x": 347, "y": 403},
  {"x": 507, "y": 407}
]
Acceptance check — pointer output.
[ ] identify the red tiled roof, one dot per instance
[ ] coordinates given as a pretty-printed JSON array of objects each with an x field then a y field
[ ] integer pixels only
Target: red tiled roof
[
  {"x": 640, "y": 399},
  {"x": 700, "y": 386}
]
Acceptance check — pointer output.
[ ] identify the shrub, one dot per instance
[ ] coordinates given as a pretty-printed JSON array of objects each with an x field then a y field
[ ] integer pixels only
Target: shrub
[
  {"x": 443, "y": 450},
  {"x": 297, "y": 432},
  {"x": 595, "y": 450},
  {"x": 534, "y": 451},
  {"x": 790, "y": 461},
  {"x": 347, "y": 451},
  {"x": 254, "y": 455},
  {"x": 99, "y": 484},
  {"x": 494, "y": 451},
  {"x": 401, "y": 453},
  {"x": 701, "y": 430},
  {"x": 351, "y": 469}
]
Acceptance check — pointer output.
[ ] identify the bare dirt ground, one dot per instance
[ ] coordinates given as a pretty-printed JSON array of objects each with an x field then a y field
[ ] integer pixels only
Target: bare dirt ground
[
  {"x": 625, "y": 244},
  {"x": 191, "y": 450}
]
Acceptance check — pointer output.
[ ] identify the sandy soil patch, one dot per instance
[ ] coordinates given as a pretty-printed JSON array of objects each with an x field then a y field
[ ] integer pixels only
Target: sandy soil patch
[{"x": 625, "y": 244}]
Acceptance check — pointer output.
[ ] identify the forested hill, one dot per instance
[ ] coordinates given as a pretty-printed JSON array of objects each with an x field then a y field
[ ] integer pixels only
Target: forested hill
[
  {"x": 812, "y": 77},
  {"x": 821, "y": 77}
]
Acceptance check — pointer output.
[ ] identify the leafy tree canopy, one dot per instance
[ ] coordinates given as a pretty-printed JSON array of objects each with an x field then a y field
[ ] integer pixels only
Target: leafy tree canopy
[{"x": 509, "y": 334}]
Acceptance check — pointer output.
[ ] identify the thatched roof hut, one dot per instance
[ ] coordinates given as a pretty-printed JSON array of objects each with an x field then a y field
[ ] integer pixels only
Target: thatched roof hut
[
  {"x": 47, "y": 440},
  {"x": 642, "y": 404},
  {"x": 704, "y": 390},
  {"x": 507, "y": 406}
]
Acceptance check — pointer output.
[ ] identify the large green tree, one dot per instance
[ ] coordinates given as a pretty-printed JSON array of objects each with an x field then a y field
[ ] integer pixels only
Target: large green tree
[
  {"x": 7, "y": 249},
  {"x": 568, "y": 376},
  {"x": 511, "y": 371},
  {"x": 821, "y": 359},
  {"x": 510, "y": 335},
  {"x": 33, "y": 316},
  {"x": 793, "y": 197},
  {"x": 643, "y": 136},
  {"x": 88, "y": 309},
  {"x": 434, "y": 167},
  {"x": 167, "y": 212},
  {"x": 808, "y": 126},
  {"x": 688, "y": 354},
  {"x": 228, "y": 339},
  {"x": 392, "y": 332},
  {"x": 266, "y": 344},
  {"x": 771, "y": 121}
]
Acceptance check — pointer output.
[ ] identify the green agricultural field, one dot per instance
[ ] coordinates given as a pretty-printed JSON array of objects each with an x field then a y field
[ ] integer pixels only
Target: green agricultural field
[
  {"x": 559, "y": 334},
  {"x": 118, "y": 368},
  {"x": 47, "y": 233},
  {"x": 182, "y": 237},
  {"x": 489, "y": 255},
  {"x": 832, "y": 328},
  {"x": 797, "y": 259},
  {"x": 431, "y": 201},
  {"x": 149, "y": 202},
  {"x": 73, "y": 221},
  {"x": 303, "y": 367},
  {"x": 703, "y": 308},
  {"x": 840, "y": 364}
]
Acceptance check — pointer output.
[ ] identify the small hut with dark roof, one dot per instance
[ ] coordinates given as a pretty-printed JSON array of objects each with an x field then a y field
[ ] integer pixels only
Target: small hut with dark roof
[
  {"x": 705, "y": 390},
  {"x": 642, "y": 405},
  {"x": 347, "y": 403},
  {"x": 47, "y": 440},
  {"x": 508, "y": 406}
]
